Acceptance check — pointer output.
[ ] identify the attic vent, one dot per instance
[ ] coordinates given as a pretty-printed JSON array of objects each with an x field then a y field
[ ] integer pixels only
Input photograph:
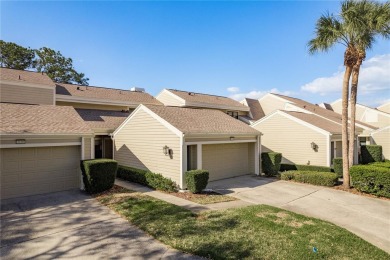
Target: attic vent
[
  {"x": 135, "y": 89},
  {"x": 191, "y": 93}
]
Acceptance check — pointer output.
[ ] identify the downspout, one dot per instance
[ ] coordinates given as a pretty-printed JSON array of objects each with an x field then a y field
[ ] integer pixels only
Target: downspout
[
  {"x": 182, "y": 171},
  {"x": 113, "y": 145}
]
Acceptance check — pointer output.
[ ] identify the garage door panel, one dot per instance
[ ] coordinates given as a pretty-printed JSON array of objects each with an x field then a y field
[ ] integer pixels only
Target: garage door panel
[
  {"x": 225, "y": 160},
  {"x": 28, "y": 171}
]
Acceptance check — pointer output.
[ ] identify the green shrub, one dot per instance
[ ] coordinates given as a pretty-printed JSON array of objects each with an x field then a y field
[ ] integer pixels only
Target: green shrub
[
  {"x": 301, "y": 167},
  {"x": 98, "y": 174},
  {"x": 159, "y": 182},
  {"x": 132, "y": 174},
  {"x": 385, "y": 164},
  {"x": 371, "y": 153},
  {"x": 270, "y": 163},
  {"x": 316, "y": 178},
  {"x": 150, "y": 179},
  {"x": 196, "y": 180},
  {"x": 338, "y": 166},
  {"x": 371, "y": 179}
]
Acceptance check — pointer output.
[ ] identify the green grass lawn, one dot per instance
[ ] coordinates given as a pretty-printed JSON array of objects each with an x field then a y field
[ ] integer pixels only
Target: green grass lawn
[
  {"x": 254, "y": 232},
  {"x": 204, "y": 197}
]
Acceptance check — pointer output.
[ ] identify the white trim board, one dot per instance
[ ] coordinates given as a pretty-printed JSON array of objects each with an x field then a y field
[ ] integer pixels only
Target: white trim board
[
  {"x": 39, "y": 145},
  {"x": 221, "y": 142},
  {"x": 380, "y": 130},
  {"x": 152, "y": 114}
]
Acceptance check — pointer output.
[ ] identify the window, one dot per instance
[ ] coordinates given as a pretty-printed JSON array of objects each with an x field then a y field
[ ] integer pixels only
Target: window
[{"x": 233, "y": 114}]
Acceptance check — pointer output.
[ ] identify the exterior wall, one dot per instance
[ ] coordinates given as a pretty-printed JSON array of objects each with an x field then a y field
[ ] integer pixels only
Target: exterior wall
[
  {"x": 26, "y": 94},
  {"x": 383, "y": 138},
  {"x": 92, "y": 106},
  {"x": 271, "y": 103},
  {"x": 293, "y": 140},
  {"x": 169, "y": 100},
  {"x": 251, "y": 158},
  {"x": 140, "y": 144},
  {"x": 87, "y": 148}
]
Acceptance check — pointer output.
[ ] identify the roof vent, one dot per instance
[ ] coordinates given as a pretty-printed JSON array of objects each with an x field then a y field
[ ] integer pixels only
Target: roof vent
[
  {"x": 78, "y": 88},
  {"x": 135, "y": 89},
  {"x": 191, "y": 93},
  {"x": 19, "y": 77}
]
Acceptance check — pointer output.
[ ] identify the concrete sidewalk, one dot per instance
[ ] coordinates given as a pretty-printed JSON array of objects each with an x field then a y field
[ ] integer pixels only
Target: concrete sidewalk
[
  {"x": 367, "y": 217},
  {"x": 194, "y": 207}
]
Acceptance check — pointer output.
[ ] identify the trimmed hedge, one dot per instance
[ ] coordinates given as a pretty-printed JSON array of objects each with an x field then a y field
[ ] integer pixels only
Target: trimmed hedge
[
  {"x": 150, "y": 179},
  {"x": 98, "y": 174},
  {"x": 385, "y": 164},
  {"x": 301, "y": 167},
  {"x": 196, "y": 180},
  {"x": 270, "y": 163},
  {"x": 316, "y": 178},
  {"x": 338, "y": 166},
  {"x": 371, "y": 153},
  {"x": 371, "y": 179},
  {"x": 132, "y": 174}
]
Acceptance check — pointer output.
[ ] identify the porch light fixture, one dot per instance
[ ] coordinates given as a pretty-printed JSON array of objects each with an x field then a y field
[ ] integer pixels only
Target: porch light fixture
[
  {"x": 231, "y": 138},
  {"x": 314, "y": 146},
  {"x": 166, "y": 150},
  {"x": 20, "y": 141}
]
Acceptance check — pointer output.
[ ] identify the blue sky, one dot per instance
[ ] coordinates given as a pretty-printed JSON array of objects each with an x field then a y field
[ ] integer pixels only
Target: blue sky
[{"x": 249, "y": 48}]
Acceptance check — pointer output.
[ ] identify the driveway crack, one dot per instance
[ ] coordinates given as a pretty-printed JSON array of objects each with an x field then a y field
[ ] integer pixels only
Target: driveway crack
[{"x": 301, "y": 197}]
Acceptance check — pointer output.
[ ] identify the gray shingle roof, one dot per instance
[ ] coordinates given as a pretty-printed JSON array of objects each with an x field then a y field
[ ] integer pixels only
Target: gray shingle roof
[
  {"x": 105, "y": 94},
  {"x": 40, "y": 119},
  {"x": 25, "y": 76},
  {"x": 102, "y": 119},
  {"x": 255, "y": 108},
  {"x": 202, "y": 121},
  {"x": 194, "y": 97}
]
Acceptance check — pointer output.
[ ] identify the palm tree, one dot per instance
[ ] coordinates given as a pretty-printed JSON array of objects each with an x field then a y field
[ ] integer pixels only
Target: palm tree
[
  {"x": 370, "y": 19},
  {"x": 355, "y": 27}
]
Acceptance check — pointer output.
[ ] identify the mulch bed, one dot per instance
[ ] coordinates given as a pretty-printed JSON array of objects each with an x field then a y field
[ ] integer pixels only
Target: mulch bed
[{"x": 355, "y": 191}]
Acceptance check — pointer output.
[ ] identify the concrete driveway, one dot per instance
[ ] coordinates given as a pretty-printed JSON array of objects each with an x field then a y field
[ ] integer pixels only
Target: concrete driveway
[
  {"x": 73, "y": 225},
  {"x": 367, "y": 217}
]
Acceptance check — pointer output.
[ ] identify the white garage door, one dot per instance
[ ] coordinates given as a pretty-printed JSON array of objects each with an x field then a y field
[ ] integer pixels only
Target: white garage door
[
  {"x": 38, "y": 170},
  {"x": 225, "y": 160}
]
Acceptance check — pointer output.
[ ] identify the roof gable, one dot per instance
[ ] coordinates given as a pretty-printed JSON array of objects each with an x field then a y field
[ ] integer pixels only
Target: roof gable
[{"x": 193, "y": 99}]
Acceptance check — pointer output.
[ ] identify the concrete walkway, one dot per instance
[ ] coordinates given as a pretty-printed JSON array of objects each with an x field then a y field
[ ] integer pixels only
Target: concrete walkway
[
  {"x": 73, "y": 225},
  {"x": 367, "y": 217},
  {"x": 194, "y": 207}
]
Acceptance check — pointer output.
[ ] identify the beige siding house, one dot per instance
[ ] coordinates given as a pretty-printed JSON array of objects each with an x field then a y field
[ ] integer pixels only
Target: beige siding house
[
  {"x": 302, "y": 138},
  {"x": 179, "y": 98},
  {"x": 291, "y": 124},
  {"x": 192, "y": 138},
  {"x": 102, "y": 109},
  {"x": 382, "y": 137},
  {"x": 40, "y": 149}
]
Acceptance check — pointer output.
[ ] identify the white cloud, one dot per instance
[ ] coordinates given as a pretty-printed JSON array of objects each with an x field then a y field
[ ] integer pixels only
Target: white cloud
[
  {"x": 233, "y": 89},
  {"x": 256, "y": 94},
  {"x": 373, "y": 77}
]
